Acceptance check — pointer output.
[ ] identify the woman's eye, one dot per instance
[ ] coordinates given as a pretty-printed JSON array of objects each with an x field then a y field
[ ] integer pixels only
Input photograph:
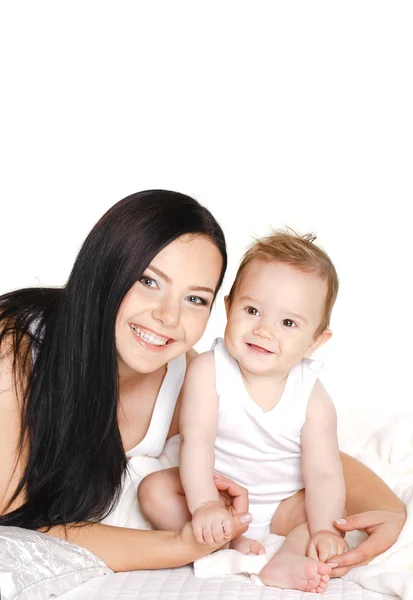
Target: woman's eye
[
  {"x": 148, "y": 282},
  {"x": 197, "y": 300},
  {"x": 289, "y": 323},
  {"x": 252, "y": 311}
]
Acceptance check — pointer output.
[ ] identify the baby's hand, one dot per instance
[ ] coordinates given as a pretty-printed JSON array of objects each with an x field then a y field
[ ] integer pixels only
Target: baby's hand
[
  {"x": 212, "y": 524},
  {"x": 324, "y": 544}
]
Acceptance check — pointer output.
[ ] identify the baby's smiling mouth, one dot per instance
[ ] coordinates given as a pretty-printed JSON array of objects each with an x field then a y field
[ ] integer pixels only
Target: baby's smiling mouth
[
  {"x": 150, "y": 337},
  {"x": 259, "y": 348}
]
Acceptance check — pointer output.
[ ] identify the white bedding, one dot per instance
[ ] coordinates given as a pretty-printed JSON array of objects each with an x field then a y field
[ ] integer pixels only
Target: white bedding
[{"x": 390, "y": 453}]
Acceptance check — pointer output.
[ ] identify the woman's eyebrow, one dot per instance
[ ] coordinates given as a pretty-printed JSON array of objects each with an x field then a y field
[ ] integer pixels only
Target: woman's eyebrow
[
  {"x": 160, "y": 273},
  {"x": 200, "y": 288}
]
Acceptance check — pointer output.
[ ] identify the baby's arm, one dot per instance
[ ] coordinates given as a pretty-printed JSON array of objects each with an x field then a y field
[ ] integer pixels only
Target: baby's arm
[
  {"x": 325, "y": 491},
  {"x": 198, "y": 428}
]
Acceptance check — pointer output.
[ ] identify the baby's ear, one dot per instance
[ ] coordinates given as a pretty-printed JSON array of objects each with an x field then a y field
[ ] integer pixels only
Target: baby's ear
[
  {"x": 227, "y": 304},
  {"x": 318, "y": 341}
]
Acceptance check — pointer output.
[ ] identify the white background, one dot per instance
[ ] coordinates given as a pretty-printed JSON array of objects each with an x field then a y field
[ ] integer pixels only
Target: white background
[{"x": 270, "y": 113}]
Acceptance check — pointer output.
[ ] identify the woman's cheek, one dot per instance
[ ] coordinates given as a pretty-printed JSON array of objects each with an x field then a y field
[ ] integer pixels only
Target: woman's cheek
[{"x": 196, "y": 326}]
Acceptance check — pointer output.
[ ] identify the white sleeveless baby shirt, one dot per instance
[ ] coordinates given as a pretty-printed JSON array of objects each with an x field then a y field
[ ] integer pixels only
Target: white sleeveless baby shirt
[{"x": 261, "y": 450}]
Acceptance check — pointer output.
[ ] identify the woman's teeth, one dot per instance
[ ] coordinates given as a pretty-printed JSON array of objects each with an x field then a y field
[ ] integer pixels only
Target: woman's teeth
[{"x": 151, "y": 338}]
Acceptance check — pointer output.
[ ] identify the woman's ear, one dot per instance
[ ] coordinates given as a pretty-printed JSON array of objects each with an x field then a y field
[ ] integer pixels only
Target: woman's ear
[{"x": 319, "y": 341}]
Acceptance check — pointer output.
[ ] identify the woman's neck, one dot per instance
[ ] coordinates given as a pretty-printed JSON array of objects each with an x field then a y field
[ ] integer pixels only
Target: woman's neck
[{"x": 128, "y": 377}]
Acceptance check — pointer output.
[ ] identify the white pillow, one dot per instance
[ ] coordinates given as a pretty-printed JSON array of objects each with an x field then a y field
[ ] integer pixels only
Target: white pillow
[{"x": 34, "y": 566}]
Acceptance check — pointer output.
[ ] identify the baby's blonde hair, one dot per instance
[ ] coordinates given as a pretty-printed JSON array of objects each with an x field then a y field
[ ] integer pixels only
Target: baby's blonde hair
[{"x": 298, "y": 251}]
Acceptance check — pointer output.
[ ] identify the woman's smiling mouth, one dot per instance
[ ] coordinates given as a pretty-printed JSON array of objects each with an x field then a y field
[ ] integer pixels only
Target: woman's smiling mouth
[{"x": 149, "y": 338}]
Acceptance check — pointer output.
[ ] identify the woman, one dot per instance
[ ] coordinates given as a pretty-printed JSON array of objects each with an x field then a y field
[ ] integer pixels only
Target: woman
[{"x": 83, "y": 370}]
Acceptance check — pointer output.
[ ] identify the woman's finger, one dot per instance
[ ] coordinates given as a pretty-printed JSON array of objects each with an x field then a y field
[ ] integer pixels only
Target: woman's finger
[
  {"x": 340, "y": 571},
  {"x": 360, "y": 520},
  {"x": 362, "y": 554},
  {"x": 237, "y": 493},
  {"x": 240, "y": 524}
]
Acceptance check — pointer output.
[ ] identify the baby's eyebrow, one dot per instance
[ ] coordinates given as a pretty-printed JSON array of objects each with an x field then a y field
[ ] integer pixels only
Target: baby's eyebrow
[
  {"x": 195, "y": 288},
  {"x": 248, "y": 299},
  {"x": 296, "y": 316}
]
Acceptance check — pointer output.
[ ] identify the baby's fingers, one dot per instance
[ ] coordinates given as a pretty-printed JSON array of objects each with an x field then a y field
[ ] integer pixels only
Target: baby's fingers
[
  {"x": 217, "y": 531},
  {"x": 341, "y": 548},
  {"x": 312, "y": 551},
  {"x": 208, "y": 536},
  {"x": 198, "y": 533},
  {"x": 324, "y": 551},
  {"x": 256, "y": 548},
  {"x": 228, "y": 529}
]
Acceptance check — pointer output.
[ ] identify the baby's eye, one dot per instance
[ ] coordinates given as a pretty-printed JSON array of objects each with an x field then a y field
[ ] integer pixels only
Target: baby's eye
[
  {"x": 252, "y": 311},
  {"x": 197, "y": 300},
  {"x": 289, "y": 323},
  {"x": 148, "y": 282}
]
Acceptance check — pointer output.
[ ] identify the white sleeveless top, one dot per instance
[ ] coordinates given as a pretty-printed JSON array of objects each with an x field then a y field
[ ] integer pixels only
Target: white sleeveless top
[
  {"x": 261, "y": 450},
  {"x": 155, "y": 438},
  {"x": 143, "y": 458}
]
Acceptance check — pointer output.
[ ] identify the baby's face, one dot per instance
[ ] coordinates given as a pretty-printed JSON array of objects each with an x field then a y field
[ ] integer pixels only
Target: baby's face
[{"x": 274, "y": 316}]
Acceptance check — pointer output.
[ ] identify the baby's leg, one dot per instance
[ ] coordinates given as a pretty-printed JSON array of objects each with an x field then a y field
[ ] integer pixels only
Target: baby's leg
[
  {"x": 289, "y": 568},
  {"x": 162, "y": 500}
]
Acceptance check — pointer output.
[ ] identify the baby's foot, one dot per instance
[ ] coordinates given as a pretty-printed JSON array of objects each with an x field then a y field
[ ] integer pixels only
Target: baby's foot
[
  {"x": 247, "y": 546},
  {"x": 292, "y": 571}
]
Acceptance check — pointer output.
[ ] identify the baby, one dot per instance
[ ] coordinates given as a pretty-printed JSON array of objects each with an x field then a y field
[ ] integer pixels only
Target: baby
[{"x": 254, "y": 410}]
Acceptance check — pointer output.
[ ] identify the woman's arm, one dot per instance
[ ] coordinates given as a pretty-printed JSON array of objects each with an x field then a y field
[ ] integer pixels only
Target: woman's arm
[
  {"x": 120, "y": 548},
  {"x": 372, "y": 506},
  {"x": 124, "y": 549},
  {"x": 365, "y": 490}
]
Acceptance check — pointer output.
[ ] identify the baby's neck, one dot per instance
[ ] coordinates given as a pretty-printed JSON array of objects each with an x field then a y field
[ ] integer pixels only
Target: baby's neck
[{"x": 265, "y": 390}]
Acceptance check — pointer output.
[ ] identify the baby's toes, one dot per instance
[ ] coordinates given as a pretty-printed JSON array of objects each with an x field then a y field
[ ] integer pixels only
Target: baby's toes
[
  {"x": 323, "y": 568},
  {"x": 256, "y": 548},
  {"x": 322, "y": 586}
]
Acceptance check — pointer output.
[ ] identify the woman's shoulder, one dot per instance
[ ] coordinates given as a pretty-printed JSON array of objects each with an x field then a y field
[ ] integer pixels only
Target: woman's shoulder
[{"x": 10, "y": 423}]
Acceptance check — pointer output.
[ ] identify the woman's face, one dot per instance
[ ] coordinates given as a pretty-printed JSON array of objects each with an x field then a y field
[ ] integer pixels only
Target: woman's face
[{"x": 166, "y": 311}]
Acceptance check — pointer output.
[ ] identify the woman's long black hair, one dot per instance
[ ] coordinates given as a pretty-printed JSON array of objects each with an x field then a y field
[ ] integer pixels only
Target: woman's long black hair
[{"x": 69, "y": 398}]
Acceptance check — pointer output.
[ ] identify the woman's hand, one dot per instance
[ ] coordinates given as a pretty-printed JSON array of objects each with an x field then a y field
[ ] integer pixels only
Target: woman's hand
[
  {"x": 383, "y": 528},
  {"x": 231, "y": 495},
  {"x": 194, "y": 549}
]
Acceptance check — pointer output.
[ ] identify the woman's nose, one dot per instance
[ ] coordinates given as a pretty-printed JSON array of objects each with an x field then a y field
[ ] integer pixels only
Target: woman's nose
[{"x": 167, "y": 312}]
